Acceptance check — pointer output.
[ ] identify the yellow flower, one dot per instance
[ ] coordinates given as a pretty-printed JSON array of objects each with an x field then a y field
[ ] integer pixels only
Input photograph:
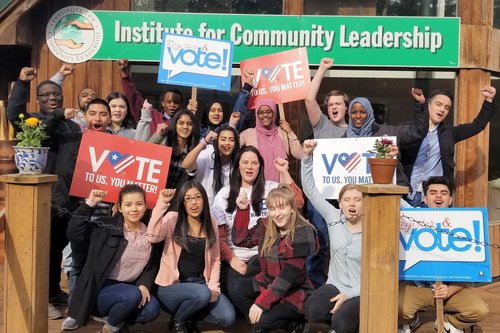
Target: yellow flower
[
  {"x": 21, "y": 116},
  {"x": 32, "y": 121}
]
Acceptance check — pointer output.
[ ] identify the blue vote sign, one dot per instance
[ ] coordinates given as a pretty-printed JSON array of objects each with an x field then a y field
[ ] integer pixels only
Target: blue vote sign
[
  {"x": 196, "y": 62},
  {"x": 446, "y": 244}
]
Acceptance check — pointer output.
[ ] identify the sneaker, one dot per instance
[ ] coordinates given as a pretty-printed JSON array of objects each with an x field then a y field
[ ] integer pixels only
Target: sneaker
[
  {"x": 99, "y": 319},
  {"x": 404, "y": 328},
  {"x": 54, "y": 313},
  {"x": 61, "y": 298},
  {"x": 448, "y": 328},
  {"x": 69, "y": 324}
]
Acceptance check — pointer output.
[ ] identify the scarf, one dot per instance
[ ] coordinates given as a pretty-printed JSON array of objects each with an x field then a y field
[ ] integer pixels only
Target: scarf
[
  {"x": 366, "y": 128},
  {"x": 269, "y": 142}
]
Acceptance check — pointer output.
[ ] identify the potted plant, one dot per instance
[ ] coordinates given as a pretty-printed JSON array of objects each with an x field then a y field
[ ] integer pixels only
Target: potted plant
[
  {"x": 382, "y": 165},
  {"x": 30, "y": 156}
]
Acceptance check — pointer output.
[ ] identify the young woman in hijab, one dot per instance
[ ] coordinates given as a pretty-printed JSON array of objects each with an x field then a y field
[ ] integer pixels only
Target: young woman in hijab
[
  {"x": 271, "y": 141},
  {"x": 362, "y": 124},
  {"x": 215, "y": 115}
]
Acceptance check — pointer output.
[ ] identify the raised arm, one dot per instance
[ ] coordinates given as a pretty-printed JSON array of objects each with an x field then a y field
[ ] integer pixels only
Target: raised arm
[
  {"x": 65, "y": 70},
  {"x": 157, "y": 223},
  {"x": 134, "y": 97},
  {"x": 465, "y": 131},
  {"x": 240, "y": 112},
  {"x": 189, "y": 162},
  {"x": 19, "y": 95},
  {"x": 312, "y": 106},
  {"x": 326, "y": 210},
  {"x": 285, "y": 178},
  {"x": 292, "y": 145}
]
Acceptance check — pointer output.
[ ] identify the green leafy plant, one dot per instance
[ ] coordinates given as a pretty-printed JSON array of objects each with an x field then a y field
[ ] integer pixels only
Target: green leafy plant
[
  {"x": 32, "y": 132},
  {"x": 382, "y": 148}
]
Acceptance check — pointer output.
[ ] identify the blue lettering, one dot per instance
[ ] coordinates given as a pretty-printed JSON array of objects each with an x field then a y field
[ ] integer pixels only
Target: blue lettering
[
  {"x": 329, "y": 166},
  {"x": 197, "y": 57}
]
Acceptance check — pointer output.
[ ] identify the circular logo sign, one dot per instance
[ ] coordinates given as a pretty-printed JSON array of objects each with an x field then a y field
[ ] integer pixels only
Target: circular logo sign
[{"x": 74, "y": 34}]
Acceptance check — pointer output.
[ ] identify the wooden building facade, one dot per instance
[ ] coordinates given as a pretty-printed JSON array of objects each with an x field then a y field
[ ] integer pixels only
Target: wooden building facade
[{"x": 22, "y": 43}]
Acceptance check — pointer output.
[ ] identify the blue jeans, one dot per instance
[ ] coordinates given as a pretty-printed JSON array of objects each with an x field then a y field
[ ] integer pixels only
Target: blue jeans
[
  {"x": 191, "y": 302},
  {"x": 119, "y": 301},
  {"x": 317, "y": 263}
]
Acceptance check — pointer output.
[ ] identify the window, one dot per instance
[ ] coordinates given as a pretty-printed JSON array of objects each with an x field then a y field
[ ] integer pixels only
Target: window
[
  {"x": 381, "y": 7},
  {"x": 210, "y": 6}
]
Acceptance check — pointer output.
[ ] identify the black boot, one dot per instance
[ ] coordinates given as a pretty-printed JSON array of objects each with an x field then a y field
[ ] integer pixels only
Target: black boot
[
  {"x": 191, "y": 327},
  {"x": 298, "y": 327},
  {"x": 178, "y": 327}
]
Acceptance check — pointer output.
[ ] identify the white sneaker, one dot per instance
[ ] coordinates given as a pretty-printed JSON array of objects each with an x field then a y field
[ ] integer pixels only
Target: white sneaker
[
  {"x": 69, "y": 324},
  {"x": 449, "y": 328},
  {"x": 404, "y": 328},
  {"x": 54, "y": 313},
  {"x": 99, "y": 319}
]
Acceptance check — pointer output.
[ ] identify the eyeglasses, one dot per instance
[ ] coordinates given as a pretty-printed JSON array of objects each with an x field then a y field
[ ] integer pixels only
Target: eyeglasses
[
  {"x": 46, "y": 96},
  {"x": 196, "y": 198}
]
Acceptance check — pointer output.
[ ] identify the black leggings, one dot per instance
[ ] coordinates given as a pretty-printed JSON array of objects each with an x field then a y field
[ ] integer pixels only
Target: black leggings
[
  {"x": 278, "y": 316},
  {"x": 318, "y": 307}
]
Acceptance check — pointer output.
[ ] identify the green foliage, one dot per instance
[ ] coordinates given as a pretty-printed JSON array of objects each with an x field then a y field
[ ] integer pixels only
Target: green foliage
[{"x": 32, "y": 132}]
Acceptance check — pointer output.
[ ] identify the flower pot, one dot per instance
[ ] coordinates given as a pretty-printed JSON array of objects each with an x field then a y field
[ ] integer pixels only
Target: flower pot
[
  {"x": 31, "y": 160},
  {"x": 382, "y": 169}
]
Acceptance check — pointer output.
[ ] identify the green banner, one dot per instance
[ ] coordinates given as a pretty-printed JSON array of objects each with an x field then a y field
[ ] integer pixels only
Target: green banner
[{"x": 351, "y": 40}]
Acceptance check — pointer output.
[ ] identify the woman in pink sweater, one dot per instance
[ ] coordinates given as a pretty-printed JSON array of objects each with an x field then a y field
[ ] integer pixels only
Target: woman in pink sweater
[{"x": 189, "y": 272}]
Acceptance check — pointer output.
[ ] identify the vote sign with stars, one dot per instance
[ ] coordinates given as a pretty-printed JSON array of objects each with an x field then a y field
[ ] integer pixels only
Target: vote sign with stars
[
  {"x": 283, "y": 76},
  {"x": 109, "y": 162}
]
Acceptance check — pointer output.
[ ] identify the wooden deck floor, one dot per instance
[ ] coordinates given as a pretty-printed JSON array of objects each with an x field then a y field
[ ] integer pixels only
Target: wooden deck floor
[{"x": 489, "y": 292}]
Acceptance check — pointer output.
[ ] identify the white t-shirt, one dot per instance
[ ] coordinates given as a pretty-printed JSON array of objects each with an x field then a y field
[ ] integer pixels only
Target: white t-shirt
[
  {"x": 205, "y": 172},
  {"x": 219, "y": 213}
]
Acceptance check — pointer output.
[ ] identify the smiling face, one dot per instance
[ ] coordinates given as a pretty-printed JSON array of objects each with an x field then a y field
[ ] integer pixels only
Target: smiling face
[
  {"x": 439, "y": 107},
  {"x": 351, "y": 204},
  {"x": 119, "y": 110},
  {"x": 281, "y": 214},
  {"x": 358, "y": 115},
  {"x": 215, "y": 114},
  {"x": 249, "y": 168},
  {"x": 132, "y": 207},
  {"x": 97, "y": 117},
  {"x": 265, "y": 115},
  {"x": 336, "y": 109},
  {"x": 193, "y": 203},
  {"x": 438, "y": 196},
  {"x": 49, "y": 97},
  {"x": 171, "y": 102},
  {"x": 226, "y": 142},
  {"x": 184, "y": 127}
]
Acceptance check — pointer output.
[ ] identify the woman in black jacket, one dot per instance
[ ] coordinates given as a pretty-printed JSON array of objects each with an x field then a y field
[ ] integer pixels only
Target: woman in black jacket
[{"x": 120, "y": 264}]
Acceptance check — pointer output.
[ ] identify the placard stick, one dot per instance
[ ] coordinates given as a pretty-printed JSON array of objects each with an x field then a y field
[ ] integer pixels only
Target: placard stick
[
  {"x": 439, "y": 311},
  {"x": 194, "y": 93},
  {"x": 281, "y": 110}
]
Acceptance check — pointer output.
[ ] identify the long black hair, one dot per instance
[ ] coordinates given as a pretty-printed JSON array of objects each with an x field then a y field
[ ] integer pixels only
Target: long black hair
[
  {"x": 218, "y": 176},
  {"x": 171, "y": 132},
  {"x": 258, "y": 187},
  {"x": 181, "y": 226},
  {"x": 204, "y": 117},
  {"x": 128, "y": 121}
]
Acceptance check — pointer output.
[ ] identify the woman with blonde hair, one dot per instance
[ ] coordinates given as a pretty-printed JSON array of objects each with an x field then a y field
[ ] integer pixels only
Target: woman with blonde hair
[{"x": 274, "y": 299}]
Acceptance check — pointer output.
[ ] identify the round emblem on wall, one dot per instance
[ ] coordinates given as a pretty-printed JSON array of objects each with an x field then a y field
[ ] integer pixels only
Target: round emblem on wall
[{"x": 74, "y": 34}]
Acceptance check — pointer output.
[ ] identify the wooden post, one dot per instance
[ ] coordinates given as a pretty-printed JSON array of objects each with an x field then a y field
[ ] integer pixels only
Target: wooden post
[
  {"x": 27, "y": 243},
  {"x": 380, "y": 257}
]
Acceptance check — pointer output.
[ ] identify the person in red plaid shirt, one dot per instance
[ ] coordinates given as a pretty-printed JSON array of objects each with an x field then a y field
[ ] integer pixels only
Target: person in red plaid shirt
[{"x": 274, "y": 299}]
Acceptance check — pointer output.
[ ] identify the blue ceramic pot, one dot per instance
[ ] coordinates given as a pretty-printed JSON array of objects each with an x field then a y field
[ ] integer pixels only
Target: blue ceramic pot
[{"x": 31, "y": 160}]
